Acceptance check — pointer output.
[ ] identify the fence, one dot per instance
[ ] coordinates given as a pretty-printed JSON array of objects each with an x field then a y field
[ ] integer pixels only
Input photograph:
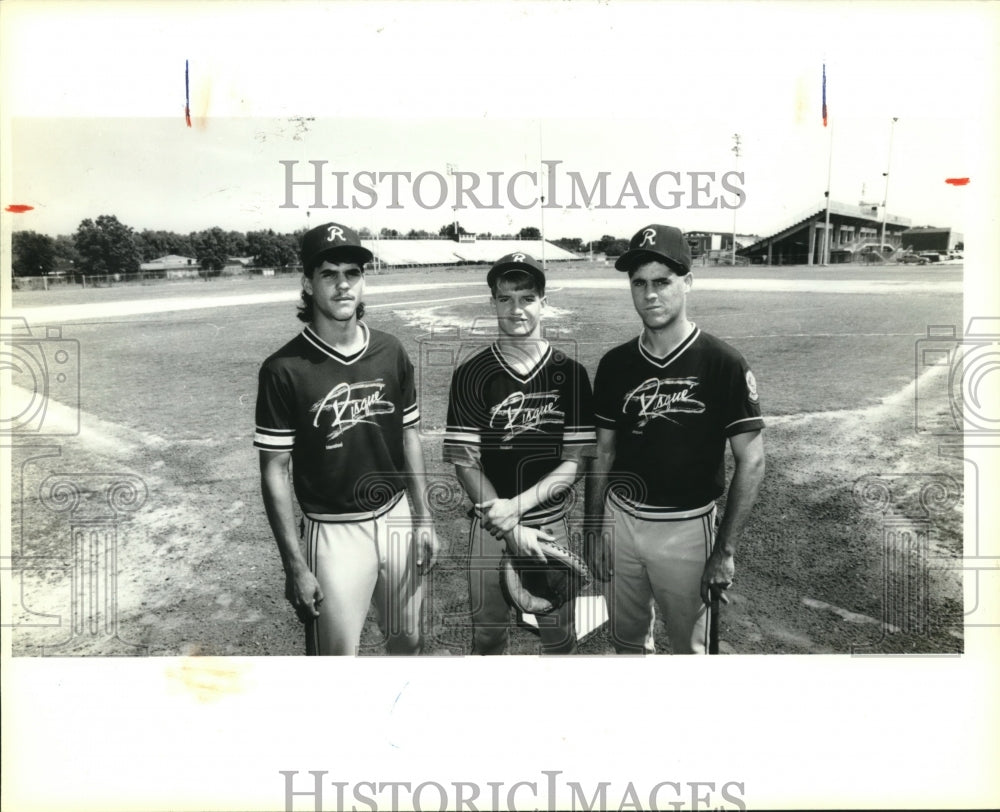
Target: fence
[
  {"x": 722, "y": 256},
  {"x": 59, "y": 281}
]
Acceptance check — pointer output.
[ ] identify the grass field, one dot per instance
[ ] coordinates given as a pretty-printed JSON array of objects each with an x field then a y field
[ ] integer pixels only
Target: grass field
[{"x": 169, "y": 397}]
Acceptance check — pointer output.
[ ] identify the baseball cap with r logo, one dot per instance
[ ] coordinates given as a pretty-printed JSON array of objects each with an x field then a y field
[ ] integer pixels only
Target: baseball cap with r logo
[
  {"x": 657, "y": 243},
  {"x": 518, "y": 261},
  {"x": 334, "y": 242}
]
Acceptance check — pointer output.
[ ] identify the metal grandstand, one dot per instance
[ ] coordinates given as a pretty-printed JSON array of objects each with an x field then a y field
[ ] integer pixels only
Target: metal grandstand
[{"x": 408, "y": 253}]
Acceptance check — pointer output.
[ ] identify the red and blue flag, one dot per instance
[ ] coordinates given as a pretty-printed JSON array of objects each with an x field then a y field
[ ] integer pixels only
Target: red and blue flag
[{"x": 824, "y": 94}]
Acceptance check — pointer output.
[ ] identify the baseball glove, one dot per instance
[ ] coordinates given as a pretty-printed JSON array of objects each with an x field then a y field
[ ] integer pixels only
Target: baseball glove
[{"x": 538, "y": 589}]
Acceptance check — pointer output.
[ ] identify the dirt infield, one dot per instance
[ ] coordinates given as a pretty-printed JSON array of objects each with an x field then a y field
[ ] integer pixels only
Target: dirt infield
[{"x": 166, "y": 403}]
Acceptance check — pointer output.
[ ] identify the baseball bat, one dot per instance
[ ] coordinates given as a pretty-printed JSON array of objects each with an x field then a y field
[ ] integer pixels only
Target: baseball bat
[{"x": 713, "y": 621}]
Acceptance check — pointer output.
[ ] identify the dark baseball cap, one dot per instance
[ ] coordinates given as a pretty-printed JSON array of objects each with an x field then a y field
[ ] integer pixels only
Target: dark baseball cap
[
  {"x": 334, "y": 242},
  {"x": 518, "y": 261},
  {"x": 656, "y": 243}
]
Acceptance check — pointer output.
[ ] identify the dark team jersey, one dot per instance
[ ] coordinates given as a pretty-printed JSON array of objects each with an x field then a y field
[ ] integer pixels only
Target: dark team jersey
[
  {"x": 341, "y": 417},
  {"x": 519, "y": 427},
  {"x": 671, "y": 418}
]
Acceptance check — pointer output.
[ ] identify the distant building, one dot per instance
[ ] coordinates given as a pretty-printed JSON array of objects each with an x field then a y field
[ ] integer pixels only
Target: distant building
[
  {"x": 236, "y": 266},
  {"x": 928, "y": 238},
  {"x": 172, "y": 266},
  {"x": 702, "y": 242},
  {"x": 171, "y": 262},
  {"x": 855, "y": 229}
]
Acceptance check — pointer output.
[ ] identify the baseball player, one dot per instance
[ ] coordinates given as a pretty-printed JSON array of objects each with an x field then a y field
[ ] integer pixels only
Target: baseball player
[
  {"x": 338, "y": 403},
  {"x": 665, "y": 404},
  {"x": 519, "y": 424}
]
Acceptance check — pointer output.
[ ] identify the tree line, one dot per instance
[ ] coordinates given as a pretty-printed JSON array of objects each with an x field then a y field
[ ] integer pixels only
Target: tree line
[{"x": 106, "y": 246}]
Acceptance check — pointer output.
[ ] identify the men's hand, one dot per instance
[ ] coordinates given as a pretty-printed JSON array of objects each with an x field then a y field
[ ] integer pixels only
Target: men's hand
[
  {"x": 523, "y": 541},
  {"x": 304, "y": 594},
  {"x": 426, "y": 546},
  {"x": 598, "y": 552},
  {"x": 718, "y": 576},
  {"x": 498, "y": 516}
]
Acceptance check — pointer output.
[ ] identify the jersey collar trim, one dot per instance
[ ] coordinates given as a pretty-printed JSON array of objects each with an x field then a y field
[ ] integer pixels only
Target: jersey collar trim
[
  {"x": 674, "y": 354},
  {"x": 310, "y": 335},
  {"x": 495, "y": 347}
]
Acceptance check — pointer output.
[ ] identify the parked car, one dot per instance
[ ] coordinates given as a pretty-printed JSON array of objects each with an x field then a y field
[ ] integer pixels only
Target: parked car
[
  {"x": 910, "y": 259},
  {"x": 931, "y": 256},
  {"x": 874, "y": 247}
]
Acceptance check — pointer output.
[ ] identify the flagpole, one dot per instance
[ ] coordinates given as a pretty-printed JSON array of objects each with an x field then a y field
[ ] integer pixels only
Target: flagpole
[
  {"x": 826, "y": 228},
  {"x": 885, "y": 194},
  {"x": 829, "y": 173},
  {"x": 736, "y": 166},
  {"x": 541, "y": 181}
]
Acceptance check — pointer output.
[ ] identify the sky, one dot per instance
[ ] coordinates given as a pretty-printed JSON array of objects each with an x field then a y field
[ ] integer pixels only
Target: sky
[{"x": 615, "y": 88}]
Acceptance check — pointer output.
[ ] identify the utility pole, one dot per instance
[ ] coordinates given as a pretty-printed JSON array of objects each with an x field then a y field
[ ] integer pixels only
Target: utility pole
[
  {"x": 736, "y": 152},
  {"x": 885, "y": 196}
]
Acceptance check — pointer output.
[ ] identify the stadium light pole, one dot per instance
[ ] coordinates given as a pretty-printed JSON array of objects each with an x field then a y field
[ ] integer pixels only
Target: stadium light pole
[
  {"x": 885, "y": 195},
  {"x": 736, "y": 152}
]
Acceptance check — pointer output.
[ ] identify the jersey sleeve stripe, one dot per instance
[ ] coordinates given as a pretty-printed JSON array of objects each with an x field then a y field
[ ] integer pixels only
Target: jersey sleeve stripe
[
  {"x": 284, "y": 442},
  {"x": 466, "y": 456},
  {"x": 411, "y": 417},
  {"x": 275, "y": 432},
  {"x": 603, "y": 422},
  {"x": 759, "y": 420},
  {"x": 461, "y": 438},
  {"x": 580, "y": 436}
]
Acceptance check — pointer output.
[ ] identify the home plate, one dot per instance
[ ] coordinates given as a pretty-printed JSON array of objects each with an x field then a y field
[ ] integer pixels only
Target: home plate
[{"x": 591, "y": 614}]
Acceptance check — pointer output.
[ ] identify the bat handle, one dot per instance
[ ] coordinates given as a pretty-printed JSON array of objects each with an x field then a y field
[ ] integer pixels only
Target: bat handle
[{"x": 713, "y": 621}]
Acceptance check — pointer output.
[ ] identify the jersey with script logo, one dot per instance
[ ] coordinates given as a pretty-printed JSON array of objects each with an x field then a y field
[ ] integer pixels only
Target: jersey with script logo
[
  {"x": 671, "y": 417},
  {"x": 342, "y": 418},
  {"x": 520, "y": 426}
]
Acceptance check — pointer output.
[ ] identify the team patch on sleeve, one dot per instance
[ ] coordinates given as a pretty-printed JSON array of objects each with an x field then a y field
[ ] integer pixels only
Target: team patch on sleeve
[{"x": 751, "y": 387}]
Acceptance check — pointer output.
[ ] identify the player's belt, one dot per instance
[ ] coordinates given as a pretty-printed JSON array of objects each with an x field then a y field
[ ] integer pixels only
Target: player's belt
[
  {"x": 346, "y": 518},
  {"x": 653, "y": 513}
]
